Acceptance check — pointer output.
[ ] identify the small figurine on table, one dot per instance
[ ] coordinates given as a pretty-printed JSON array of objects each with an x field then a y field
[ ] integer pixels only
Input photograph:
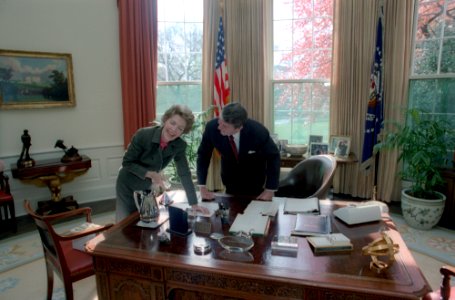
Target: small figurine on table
[
  {"x": 70, "y": 155},
  {"x": 25, "y": 160}
]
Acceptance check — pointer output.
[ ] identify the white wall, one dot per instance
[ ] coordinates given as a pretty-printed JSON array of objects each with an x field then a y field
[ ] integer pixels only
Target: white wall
[{"x": 88, "y": 29}]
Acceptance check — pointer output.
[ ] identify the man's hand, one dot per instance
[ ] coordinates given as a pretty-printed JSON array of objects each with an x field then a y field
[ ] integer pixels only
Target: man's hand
[
  {"x": 206, "y": 194},
  {"x": 201, "y": 209},
  {"x": 266, "y": 195}
]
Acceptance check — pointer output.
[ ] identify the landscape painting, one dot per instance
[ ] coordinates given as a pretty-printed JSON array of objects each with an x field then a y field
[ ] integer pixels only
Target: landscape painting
[{"x": 35, "y": 80}]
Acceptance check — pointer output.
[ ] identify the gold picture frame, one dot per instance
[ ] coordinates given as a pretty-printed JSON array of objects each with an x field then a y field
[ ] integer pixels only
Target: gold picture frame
[{"x": 36, "y": 80}]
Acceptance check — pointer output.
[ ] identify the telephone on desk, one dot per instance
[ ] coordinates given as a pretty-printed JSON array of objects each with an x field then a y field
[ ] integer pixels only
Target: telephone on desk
[{"x": 364, "y": 212}]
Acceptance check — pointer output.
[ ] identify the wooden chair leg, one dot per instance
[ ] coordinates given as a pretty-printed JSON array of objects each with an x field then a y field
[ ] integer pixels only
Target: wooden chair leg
[
  {"x": 69, "y": 290},
  {"x": 12, "y": 214},
  {"x": 50, "y": 280}
]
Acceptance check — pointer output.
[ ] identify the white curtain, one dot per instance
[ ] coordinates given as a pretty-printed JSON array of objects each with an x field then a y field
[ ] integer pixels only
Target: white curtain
[{"x": 354, "y": 41}]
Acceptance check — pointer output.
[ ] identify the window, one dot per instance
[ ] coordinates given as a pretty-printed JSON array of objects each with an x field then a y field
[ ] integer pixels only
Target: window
[
  {"x": 302, "y": 66},
  {"x": 432, "y": 82},
  {"x": 179, "y": 54}
]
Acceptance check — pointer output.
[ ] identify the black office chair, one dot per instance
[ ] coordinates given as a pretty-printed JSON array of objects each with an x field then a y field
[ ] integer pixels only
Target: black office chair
[{"x": 311, "y": 177}]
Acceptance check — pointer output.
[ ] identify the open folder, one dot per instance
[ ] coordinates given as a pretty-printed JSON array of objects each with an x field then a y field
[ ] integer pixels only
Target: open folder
[
  {"x": 255, "y": 219},
  {"x": 301, "y": 205},
  {"x": 254, "y": 225}
]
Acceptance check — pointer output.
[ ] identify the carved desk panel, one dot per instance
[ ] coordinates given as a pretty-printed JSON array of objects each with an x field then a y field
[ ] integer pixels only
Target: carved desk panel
[{"x": 129, "y": 260}]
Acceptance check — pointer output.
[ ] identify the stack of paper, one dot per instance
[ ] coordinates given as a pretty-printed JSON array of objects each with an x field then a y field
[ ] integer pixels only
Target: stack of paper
[
  {"x": 301, "y": 206},
  {"x": 250, "y": 224},
  {"x": 264, "y": 208},
  {"x": 335, "y": 242}
]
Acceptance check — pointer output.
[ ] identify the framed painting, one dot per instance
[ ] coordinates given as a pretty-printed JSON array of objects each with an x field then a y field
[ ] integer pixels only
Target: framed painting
[
  {"x": 35, "y": 80},
  {"x": 319, "y": 148},
  {"x": 340, "y": 146}
]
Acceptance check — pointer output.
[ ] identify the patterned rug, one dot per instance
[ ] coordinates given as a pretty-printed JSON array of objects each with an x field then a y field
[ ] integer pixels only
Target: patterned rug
[
  {"x": 438, "y": 242},
  {"x": 26, "y": 248}
]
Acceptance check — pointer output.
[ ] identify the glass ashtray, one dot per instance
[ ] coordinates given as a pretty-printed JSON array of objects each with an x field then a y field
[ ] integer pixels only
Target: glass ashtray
[{"x": 236, "y": 243}]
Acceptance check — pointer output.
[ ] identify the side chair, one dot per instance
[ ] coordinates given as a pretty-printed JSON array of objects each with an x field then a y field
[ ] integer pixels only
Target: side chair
[
  {"x": 446, "y": 292},
  {"x": 7, "y": 210},
  {"x": 60, "y": 256},
  {"x": 311, "y": 177}
]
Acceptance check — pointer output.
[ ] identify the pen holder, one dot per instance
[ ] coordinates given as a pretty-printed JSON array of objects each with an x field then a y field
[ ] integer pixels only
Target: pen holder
[{"x": 178, "y": 221}]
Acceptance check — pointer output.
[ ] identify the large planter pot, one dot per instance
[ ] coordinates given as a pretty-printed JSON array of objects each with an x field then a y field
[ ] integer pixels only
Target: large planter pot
[{"x": 422, "y": 213}]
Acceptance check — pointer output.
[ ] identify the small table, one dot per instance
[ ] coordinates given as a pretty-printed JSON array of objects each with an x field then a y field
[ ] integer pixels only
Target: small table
[{"x": 53, "y": 173}]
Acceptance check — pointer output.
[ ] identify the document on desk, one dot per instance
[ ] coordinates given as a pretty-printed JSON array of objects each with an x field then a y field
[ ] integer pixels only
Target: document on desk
[
  {"x": 264, "y": 208},
  {"x": 254, "y": 225},
  {"x": 300, "y": 205}
]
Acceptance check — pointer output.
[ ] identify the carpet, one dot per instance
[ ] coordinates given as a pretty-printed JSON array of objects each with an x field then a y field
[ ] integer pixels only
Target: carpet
[
  {"x": 26, "y": 248},
  {"x": 438, "y": 242}
]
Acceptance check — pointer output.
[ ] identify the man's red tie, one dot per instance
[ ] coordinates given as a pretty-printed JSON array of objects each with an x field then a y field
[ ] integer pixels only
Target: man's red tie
[{"x": 234, "y": 147}]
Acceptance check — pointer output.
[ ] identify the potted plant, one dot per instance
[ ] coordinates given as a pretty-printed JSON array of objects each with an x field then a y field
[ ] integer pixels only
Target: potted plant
[{"x": 423, "y": 143}]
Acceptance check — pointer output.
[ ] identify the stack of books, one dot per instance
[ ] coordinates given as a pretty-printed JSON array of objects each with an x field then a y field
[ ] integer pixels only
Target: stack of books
[{"x": 331, "y": 243}]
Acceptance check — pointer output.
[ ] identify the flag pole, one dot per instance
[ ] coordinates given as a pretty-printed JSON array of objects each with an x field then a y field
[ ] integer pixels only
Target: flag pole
[
  {"x": 375, "y": 112},
  {"x": 375, "y": 180}
]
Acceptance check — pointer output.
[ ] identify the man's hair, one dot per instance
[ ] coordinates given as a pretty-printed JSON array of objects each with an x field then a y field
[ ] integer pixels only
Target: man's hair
[
  {"x": 184, "y": 112},
  {"x": 234, "y": 114}
]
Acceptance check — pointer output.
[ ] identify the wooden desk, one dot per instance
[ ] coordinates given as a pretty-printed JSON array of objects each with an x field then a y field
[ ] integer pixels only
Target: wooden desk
[
  {"x": 53, "y": 173},
  {"x": 130, "y": 263}
]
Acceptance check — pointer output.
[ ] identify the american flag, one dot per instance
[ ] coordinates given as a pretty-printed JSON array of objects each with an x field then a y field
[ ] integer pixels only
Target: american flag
[
  {"x": 375, "y": 116},
  {"x": 220, "y": 80}
]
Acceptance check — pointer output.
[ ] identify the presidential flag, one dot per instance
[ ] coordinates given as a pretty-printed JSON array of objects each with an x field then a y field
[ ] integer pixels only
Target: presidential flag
[
  {"x": 375, "y": 116},
  {"x": 220, "y": 79}
]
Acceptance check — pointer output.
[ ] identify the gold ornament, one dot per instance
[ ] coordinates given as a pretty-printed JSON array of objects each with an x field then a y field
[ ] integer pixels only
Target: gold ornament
[{"x": 382, "y": 246}]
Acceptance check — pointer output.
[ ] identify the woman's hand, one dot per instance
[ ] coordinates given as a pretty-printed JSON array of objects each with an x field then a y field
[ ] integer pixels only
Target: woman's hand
[
  {"x": 206, "y": 194},
  {"x": 201, "y": 209},
  {"x": 158, "y": 180}
]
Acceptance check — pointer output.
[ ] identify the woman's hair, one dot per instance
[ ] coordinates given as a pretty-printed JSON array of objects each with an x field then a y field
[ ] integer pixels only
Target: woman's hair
[
  {"x": 234, "y": 114},
  {"x": 183, "y": 111}
]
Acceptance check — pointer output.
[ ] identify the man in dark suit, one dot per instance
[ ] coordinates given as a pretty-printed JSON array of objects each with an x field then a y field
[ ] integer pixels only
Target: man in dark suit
[{"x": 250, "y": 164}]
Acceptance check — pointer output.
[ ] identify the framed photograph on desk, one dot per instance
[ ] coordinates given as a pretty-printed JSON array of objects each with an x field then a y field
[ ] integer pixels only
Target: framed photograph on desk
[
  {"x": 340, "y": 146},
  {"x": 335, "y": 140},
  {"x": 315, "y": 139},
  {"x": 319, "y": 148}
]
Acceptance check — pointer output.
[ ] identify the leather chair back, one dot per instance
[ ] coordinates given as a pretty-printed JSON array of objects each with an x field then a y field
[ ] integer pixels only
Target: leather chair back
[{"x": 311, "y": 177}]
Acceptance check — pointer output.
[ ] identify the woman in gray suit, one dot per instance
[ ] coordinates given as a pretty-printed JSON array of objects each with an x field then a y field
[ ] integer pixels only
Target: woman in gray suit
[{"x": 150, "y": 151}]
